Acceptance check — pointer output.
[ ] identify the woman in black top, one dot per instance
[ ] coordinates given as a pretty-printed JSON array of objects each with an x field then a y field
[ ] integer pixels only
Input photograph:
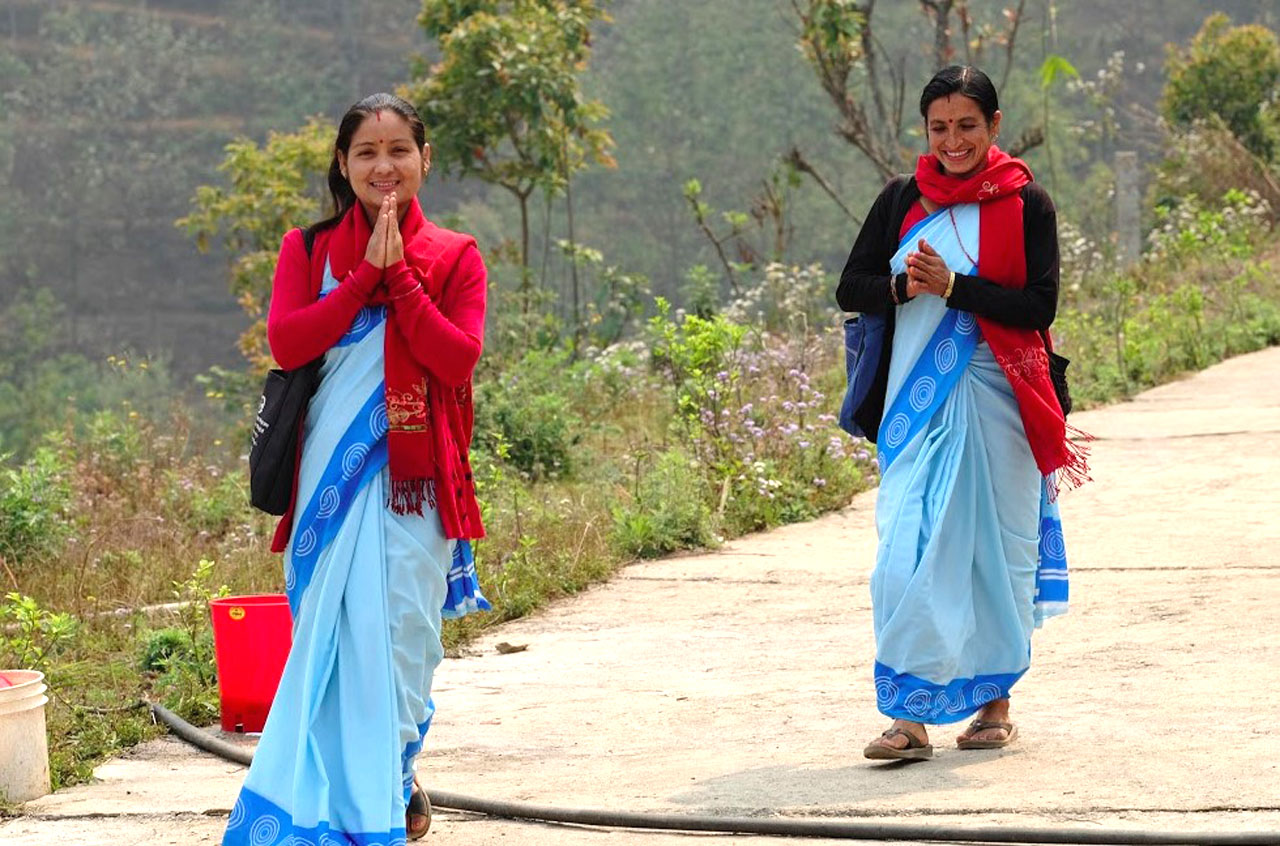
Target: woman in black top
[{"x": 960, "y": 261}]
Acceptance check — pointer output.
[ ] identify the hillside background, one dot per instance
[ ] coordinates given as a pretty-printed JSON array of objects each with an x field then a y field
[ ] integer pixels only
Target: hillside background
[{"x": 114, "y": 111}]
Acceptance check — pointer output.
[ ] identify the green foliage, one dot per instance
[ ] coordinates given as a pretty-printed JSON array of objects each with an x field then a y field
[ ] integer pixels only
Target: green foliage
[
  {"x": 30, "y": 636},
  {"x": 163, "y": 646},
  {"x": 749, "y": 408},
  {"x": 1231, "y": 72},
  {"x": 1055, "y": 66},
  {"x": 35, "y": 499},
  {"x": 273, "y": 188},
  {"x": 43, "y": 387},
  {"x": 183, "y": 656},
  {"x": 504, "y": 103},
  {"x": 1198, "y": 296},
  {"x": 619, "y": 298},
  {"x": 524, "y": 415},
  {"x": 668, "y": 512}
]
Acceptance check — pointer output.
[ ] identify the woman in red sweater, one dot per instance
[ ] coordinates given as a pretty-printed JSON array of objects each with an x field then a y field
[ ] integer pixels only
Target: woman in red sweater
[{"x": 376, "y": 542}]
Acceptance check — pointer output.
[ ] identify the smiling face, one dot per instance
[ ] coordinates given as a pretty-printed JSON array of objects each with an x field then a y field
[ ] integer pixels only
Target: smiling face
[
  {"x": 959, "y": 134},
  {"x": 384, "y": 159}
]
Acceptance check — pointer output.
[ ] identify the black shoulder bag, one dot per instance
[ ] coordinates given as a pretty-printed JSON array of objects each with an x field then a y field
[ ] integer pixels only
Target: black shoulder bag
[
  {"x": 273, "y": 450},
  {"x": 1058, "y": 374}
]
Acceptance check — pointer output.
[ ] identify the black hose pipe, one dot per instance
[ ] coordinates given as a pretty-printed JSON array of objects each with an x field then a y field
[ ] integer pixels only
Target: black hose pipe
[{"x": 829, "y": 829}]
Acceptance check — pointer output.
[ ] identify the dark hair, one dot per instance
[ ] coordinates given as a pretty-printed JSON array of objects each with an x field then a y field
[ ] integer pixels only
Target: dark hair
[
  {"x": 961, "y": 79},
  {"x": 344, "y": 196}
]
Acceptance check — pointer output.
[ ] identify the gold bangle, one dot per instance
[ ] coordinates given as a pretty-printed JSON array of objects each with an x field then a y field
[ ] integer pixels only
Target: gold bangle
[
  {"x": 893, "y": 289},
  {"x": 951, "y": 286}
]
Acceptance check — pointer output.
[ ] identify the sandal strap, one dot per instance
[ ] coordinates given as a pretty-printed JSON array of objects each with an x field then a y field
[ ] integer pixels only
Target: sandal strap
[
  {"x": 983, "y": 725},
  {"x": 913, "y": 742}
]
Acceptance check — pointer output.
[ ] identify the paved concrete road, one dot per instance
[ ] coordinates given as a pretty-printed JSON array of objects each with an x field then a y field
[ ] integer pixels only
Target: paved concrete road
[{"x": 738, "y": 681}]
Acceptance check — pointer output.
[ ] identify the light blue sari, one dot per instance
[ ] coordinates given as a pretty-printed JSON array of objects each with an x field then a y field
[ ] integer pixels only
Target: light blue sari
[
  {"x": 971, "y": 557},
  {"x": 368, "y": 589}
]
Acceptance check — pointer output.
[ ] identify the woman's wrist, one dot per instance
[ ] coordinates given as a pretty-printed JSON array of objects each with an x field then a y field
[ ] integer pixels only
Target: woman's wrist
[{"x": 951, "y": 285}]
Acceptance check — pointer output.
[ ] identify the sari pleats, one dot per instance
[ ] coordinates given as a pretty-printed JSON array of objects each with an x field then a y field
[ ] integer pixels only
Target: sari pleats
[
  {"x": 960, "y": 510},
  {"x": 368, "y": 589}
]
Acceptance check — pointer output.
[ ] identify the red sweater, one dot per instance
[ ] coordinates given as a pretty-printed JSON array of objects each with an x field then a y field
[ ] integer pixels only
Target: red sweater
[{"x": 445, "y": 338}]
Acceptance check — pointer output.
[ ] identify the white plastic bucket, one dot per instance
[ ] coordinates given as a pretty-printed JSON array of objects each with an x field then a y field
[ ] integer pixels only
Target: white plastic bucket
[{"x": 24, "y": 749}]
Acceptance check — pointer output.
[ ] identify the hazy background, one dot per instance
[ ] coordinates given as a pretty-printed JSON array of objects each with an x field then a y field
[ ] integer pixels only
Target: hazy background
[{"x": 114, "y": 111}]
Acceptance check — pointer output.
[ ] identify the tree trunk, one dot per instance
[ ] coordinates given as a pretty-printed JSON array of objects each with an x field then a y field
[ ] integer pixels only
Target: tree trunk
[
  {"x": 526, "y": 273},
  {"x": 573, "y": 265}
]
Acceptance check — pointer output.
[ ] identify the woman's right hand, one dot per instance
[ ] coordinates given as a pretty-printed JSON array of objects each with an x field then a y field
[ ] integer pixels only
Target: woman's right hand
[{"x": 376, "y": 252}]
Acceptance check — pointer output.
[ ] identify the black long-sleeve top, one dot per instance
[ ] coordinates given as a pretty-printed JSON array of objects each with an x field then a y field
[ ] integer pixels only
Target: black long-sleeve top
[{"x": 864, "y": 284}]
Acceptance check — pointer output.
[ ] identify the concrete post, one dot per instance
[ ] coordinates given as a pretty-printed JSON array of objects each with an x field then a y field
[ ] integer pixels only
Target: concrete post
[{"x": 1128, "y": 209}]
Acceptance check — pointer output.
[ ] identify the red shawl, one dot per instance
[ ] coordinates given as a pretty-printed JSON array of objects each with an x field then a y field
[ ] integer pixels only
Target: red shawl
[
  {"x": 1002, "y": 259},
  {"x": 429, "y": 423}
]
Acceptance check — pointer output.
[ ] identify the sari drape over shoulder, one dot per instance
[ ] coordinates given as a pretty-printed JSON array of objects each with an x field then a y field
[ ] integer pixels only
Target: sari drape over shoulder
[
  {"x": 368, "y": 588},
  {"x": 971, "y": 557}
]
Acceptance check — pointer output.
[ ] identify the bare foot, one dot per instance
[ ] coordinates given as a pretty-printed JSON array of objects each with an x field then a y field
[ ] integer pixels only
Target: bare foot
[{"x": 996, "y": 711}]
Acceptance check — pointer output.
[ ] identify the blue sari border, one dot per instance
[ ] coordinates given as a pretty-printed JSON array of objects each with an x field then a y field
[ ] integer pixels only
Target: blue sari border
[
  {"x": 904, "y": 696},
  {"x": 257, "y": 821},
  {"x": 463, "y": 596}
]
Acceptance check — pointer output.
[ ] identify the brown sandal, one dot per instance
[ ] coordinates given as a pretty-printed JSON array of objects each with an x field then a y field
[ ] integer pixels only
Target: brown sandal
[
  {"x": 915, "y": 750},
  {"x": 1010, "y": 730},
  {"x": 419, "y": 806}
]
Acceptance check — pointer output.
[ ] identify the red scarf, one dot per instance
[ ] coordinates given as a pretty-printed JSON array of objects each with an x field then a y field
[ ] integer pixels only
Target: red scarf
[
  {"x": 411, "y": 445},
  {"x": 1002, "y": 259}
]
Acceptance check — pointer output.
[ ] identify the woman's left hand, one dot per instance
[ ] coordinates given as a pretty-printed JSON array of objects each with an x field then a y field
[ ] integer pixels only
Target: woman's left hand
[
  {"x": 395, "y": 244},
  {"x": 927, "y": 273}
]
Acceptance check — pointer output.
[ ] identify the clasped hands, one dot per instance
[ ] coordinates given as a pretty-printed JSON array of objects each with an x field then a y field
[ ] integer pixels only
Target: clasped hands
[
  {"x": 927, "y": 273},
  {"x": 386, "y": 247}
]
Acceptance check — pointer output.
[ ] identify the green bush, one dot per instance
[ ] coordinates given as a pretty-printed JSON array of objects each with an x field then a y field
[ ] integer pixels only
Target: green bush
[
  {"x": 164, "y": 646},
  {"x": 34, "y": 502},
  {"x": 668, "y": 512},
  {"x": 525, "y": 410},
  {"x": 29, "y": 634}
]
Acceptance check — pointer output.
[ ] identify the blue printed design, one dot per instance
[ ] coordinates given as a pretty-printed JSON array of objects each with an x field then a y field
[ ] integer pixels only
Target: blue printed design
[
  {"x": 412, "y": 749},
  {"x": 464, "y": 594},
  {"x": 935, "y": 373},
  {"x": 361, "y": 454},
  {"x": 359, "y": 457},
  {"x": 1051, "y": 572},
  {"x": 366, "y": 320},
  {"x": 257, "y": 821},
  {"x": 904, "y": 696}
]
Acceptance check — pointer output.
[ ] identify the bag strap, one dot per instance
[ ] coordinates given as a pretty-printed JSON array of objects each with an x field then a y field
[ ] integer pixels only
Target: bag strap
[{"x": 308, "y": 242}]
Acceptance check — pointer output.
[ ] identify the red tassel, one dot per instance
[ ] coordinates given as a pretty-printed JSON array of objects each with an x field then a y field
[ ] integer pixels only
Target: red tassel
[
  {"x": 408, "y": 495},
  {"x": 1074, "y": 472}
]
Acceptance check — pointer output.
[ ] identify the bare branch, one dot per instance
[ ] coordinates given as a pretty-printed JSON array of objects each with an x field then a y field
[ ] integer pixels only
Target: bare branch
[
  {"x": 941, "y": 10},
  {"x": 1030, "y": 138},
  {"x": 796, "y": 159},
  {"x": 966, "y": 23},
  {"x": 718, "y": 243},
  {"x": 869, "y": 54},
  {"x": 1014, "y": 22}
]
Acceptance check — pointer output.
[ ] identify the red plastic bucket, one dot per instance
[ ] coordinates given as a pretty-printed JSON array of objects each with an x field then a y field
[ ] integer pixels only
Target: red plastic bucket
[{"x": 251, "y": 639}]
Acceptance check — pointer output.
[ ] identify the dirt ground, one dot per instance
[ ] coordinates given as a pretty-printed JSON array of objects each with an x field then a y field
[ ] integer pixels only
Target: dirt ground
[{"x": 738, "y": 681}]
